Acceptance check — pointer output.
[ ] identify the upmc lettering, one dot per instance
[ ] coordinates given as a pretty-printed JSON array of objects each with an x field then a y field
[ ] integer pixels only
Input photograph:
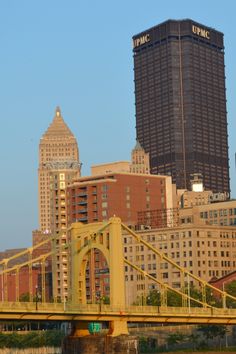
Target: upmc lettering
[
  {"x": 141, "y": 40},
  {"x": 201, "y": 32}
]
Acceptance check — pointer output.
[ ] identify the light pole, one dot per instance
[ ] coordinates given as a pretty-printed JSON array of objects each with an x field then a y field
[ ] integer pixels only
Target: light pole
[
  {"x": 2, "y": 285},
  {"x": 36, "y": 297},
  {"x": 224, "y": 296},
  {"x": 189, "y": 303}
]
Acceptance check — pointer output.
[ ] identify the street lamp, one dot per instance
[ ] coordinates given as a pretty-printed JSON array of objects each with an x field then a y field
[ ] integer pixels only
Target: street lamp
[{"x": 36, "y": 297}]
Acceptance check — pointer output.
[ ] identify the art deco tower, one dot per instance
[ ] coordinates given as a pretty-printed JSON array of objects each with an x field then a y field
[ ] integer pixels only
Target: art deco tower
[
  {"x": 58, "y": 165},
  {"x": 139, "y": 160},
  {"x": 180, "y": 99}
]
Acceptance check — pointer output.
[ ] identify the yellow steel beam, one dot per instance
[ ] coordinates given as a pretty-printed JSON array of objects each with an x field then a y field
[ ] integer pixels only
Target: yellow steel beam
[
  {"x": 169, "y": 260},
  {"x": 165, "y": 286},
  {"x": 29, "y": 249}
]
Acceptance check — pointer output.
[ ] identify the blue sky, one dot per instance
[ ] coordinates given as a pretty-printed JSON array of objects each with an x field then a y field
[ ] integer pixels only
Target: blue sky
[{"x": 78, "y": 54}]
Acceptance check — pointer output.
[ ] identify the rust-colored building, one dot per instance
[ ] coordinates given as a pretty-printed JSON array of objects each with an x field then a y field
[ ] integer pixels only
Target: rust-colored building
[
  {"x": 18, "y": 287},
  {"x": 98, "y": 198},
  {"x": 222, "y": 282}
]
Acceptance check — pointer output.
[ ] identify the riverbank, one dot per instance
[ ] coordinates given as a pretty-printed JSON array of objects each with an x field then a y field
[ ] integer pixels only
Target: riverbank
[{"x": 42, "y": 350}]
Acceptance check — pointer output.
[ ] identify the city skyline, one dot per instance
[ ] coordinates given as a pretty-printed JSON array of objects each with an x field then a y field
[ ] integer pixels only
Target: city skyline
[{"x": 52, "y": 56}]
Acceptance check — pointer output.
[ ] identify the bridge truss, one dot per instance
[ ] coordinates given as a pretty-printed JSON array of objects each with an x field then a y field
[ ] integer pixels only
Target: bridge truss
[{"x": 108, "y": 238}]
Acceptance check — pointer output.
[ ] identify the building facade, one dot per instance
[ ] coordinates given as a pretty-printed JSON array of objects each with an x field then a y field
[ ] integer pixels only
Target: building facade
[
  {"x": 110, "y": 167},
  {"x": 58, "y": 152},
  {"x": 98, "y": 198},
  {"x": 221, "y": 213},
  {"x": 139, "y": 160},
  {"x": 59, "y": 165},
  {"x": 207, "y": 251},
  {"x": 181, "y": 102}
]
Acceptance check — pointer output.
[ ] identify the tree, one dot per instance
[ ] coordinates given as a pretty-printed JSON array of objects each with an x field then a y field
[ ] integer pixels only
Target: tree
[
  {"x": 231, "y": 289},
  {"x": 193, "y": 340},
  {"x": 154, "y": 298},
  {"x": 24, "y": 297},
  {"x": 176, "y": 338},
  {"x": 213, "y": 331},
  {"x": 174, "y": 299}
]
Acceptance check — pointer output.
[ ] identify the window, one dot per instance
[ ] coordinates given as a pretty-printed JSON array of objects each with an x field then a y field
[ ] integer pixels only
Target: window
[
  {"x": 104, "y": 188},
  {"x": 62, "y": 185},
  {"x": 104, "y": 213}
]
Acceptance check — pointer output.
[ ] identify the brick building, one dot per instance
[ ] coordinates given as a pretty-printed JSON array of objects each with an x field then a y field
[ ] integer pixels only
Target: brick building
[{"x": 98, "y": 198}]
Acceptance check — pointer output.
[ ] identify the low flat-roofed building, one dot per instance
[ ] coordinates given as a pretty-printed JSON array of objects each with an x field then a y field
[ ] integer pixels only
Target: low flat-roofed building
[
  {"x": 110, "y": 167},
  {"x": 222, "y": 213}
]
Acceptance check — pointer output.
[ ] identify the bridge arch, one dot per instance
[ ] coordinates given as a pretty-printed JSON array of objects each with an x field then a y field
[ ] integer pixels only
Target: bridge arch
[
  {"x": 97, "y": 235},
  {"x": 80, "y": 272}
]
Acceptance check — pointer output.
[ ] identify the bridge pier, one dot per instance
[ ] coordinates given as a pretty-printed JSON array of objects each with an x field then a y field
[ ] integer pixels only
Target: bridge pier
[
  {"x": 117, "y": 328},
  {"x": 117, "y": 341},
  {"x": 80, "y": 329}
]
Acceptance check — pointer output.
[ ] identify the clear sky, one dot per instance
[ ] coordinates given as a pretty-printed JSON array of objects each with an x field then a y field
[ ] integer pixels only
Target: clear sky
[{"x": 78, "y": 55}]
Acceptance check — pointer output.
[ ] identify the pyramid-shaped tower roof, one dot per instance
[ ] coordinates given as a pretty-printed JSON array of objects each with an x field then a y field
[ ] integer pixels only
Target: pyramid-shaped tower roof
[
  {"x": 138, "y": 146},
  {"x": 58, "y": 128}
]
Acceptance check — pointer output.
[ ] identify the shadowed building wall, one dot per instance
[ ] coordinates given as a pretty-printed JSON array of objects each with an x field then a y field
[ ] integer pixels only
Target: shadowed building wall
[{"x": 180, "y": 102}]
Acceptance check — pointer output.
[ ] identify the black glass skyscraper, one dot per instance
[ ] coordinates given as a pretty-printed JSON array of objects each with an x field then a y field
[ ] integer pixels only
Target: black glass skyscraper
[{"x": 180, "y": 102}]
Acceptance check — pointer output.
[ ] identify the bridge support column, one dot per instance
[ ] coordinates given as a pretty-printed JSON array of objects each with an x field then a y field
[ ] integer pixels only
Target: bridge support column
[
  {"x": 117, "y": 328},
  {"x": 100, "y": 344},
  {"x": 80, "y": 329}
]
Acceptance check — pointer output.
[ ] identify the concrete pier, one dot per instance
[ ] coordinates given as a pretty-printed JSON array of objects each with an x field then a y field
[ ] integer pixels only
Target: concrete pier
[{"x": 100, "y": 344}]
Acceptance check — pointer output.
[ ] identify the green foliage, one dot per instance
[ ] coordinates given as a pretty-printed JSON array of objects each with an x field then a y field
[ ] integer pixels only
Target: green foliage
[
  {"x": 24, "y": 297},
  {"x": 143, "y": 344},
  {"x": 174, "y": 299},
  {"x": 106, "y": 300},
  {"x": 153, "y": 298},
  {"x": 147, "y": 345},
  {"x": 176, "y": 338},
  {"x": 231, "y": 289},
  {"x": 193, "y": 340},
  {"x": 212, "y": 331},
  {"x": 31, "y": 339}
]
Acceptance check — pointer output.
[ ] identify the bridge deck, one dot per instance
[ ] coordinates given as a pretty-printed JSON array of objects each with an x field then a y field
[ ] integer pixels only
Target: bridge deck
[{"x": 69, "y": 312}]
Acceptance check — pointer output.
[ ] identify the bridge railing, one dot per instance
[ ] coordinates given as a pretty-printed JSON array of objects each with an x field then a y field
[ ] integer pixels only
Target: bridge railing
[{"x": 101, "y": 310}]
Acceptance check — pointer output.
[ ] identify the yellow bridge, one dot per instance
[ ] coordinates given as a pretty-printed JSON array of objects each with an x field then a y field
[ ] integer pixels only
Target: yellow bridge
[{"x": 106, "y": 237}]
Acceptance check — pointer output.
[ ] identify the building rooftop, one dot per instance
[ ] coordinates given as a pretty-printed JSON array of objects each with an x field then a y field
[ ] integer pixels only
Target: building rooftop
[{"x": 58, "y": 127}]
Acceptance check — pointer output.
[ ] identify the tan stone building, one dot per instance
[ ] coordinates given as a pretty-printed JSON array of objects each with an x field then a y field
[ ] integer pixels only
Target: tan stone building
[
  {"x": 222, "y": 213},
  {"x": 139, "y": 164},
  {"x": 205, "y": 250},
  {"x": 58, "y": 152},
  {"x": 139, "y": 160},
  {"x": 110, "y": 167},
  {"x": 59, "y": 164}
]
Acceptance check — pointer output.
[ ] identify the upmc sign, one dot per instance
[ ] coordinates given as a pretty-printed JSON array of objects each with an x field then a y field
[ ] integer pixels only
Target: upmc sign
[
  {"x": 200, "y": 32},
  {"x": 141, "y": 40}
]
